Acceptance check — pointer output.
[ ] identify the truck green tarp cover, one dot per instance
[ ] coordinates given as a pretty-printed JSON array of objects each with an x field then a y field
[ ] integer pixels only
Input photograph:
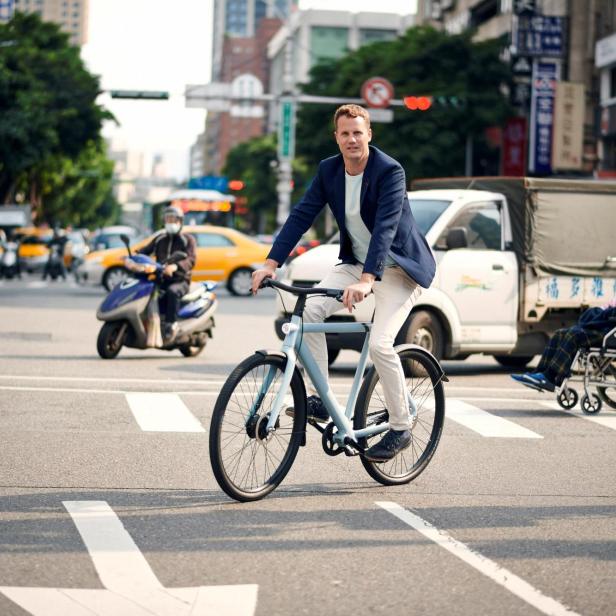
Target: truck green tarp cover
[{"x": 558, "y": 226}]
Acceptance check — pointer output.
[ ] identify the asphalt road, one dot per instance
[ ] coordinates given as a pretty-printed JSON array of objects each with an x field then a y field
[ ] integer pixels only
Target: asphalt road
[{"x": 101, "y": 515}]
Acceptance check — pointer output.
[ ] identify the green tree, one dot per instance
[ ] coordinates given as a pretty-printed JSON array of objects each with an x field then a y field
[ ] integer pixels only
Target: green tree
[
  {"x": 77, "y": 191},
  {"x": 422, "y": 62},
  {"x": 48, "y": 113},
  {"x": 254, "y": 162}
]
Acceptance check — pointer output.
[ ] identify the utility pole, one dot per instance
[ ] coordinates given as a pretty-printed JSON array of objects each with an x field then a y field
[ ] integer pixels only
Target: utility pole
[{"x": 287, "y": 104}]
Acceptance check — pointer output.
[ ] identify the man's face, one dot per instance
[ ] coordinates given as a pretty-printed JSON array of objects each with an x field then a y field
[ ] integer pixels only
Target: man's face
[{"x": 353, "y": 136}]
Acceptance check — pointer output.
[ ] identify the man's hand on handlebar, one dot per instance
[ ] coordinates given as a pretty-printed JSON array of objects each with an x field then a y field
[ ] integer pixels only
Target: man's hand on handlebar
[
  {"x": 259, "y": 275},
  {"x": 170, "y": 269},
  {"x": 356, "y": 292}
]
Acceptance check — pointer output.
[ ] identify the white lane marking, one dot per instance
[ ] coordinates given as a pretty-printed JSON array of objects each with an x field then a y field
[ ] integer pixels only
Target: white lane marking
[
  {"x": 156, "y": 412},
  {"x": 487, "y": 567},
  {"x": 485, "y": 423},
  {"x": 37, "y": 284},
  {"x": 89, "y": 379},
  {"x": 200, "y": 392},
  {"x": 209, "y": 380},
  {"x": 132, "y": 588},
  {"x": 609, "y": 421}
]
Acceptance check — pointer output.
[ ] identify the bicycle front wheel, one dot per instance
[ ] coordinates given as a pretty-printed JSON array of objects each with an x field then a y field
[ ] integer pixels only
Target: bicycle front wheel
[
  {"x": 247, "y": 461},
  {"x": 424, "y": 386}
]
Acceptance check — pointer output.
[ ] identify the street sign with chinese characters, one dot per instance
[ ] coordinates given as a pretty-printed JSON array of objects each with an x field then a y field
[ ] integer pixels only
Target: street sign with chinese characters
[
  {"x": 286, "y": 130},
  {"x": 6, "y": 9},
  {"x": 209, "y": 182},
  {"x": 568, "y": 139},
  {"x": 539, "y": 35},
  {"x": 545, "y": 76},
  {"x": 521, "y": 7},
  {"x": 514, "y": 147}
]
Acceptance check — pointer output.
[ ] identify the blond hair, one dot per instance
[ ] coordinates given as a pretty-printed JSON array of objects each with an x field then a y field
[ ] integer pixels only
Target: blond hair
[{"x": 351, "y": 111}]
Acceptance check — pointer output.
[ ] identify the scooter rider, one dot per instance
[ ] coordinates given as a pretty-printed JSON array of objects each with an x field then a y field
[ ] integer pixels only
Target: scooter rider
[
  {"x": 55, "y": 261},
  {"x": 177, "y": 275}
]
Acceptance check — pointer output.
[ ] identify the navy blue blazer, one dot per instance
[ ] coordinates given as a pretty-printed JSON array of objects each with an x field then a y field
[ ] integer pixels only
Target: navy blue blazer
[{"x": 384, "y": 208}]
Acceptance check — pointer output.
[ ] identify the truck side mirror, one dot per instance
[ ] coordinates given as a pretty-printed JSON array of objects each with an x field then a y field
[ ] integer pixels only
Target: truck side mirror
[{"x": 456, "y": 238}]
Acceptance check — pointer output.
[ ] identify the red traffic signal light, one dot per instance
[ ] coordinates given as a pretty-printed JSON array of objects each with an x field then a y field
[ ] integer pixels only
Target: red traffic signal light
[
  {"x": 236, "y": 185},
  {"x": 418, "y": 103}
]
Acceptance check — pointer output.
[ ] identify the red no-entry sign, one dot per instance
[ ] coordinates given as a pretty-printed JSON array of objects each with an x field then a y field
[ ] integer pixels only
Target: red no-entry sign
[{"x": 377, "y": 92}]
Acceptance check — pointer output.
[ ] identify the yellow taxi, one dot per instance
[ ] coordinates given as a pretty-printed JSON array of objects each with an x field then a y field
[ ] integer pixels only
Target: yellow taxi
[
  {"x": 33, "y": 251},
  {"x": 223, "y": 254}
]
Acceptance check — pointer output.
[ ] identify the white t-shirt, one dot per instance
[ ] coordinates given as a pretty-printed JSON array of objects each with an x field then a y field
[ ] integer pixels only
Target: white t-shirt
[{"x": 357, "y": 230}]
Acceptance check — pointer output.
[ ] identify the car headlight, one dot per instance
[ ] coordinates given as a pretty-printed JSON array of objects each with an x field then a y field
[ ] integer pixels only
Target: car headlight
[{"x": 95, "y": 259}]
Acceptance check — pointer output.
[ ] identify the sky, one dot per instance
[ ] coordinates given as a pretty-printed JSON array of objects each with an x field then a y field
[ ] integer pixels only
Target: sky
[{"x": 163, "y": 45}]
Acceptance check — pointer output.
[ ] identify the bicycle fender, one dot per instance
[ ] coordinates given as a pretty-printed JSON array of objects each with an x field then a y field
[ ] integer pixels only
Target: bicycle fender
[
  {"x": 427, "y": 355},
  {"x": 297, "y": 378}
]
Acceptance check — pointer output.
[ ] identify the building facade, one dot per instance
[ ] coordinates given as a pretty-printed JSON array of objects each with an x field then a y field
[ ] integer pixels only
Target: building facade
[
  {"x": 71, "y": 15},
  {"x": 605, "y": 63},
  {"x": 240, "y": 28},
  {"x": 584, "y": 24},
  {"x": 327, "y": 35}
]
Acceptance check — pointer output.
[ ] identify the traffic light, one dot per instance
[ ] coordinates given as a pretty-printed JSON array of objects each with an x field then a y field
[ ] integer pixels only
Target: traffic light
[
  {"x": 140, "y": 94},
  {"x": 418, "y": 103},
  {"x": 449, "y": 101},
  {"x": 236, "y": 185}
]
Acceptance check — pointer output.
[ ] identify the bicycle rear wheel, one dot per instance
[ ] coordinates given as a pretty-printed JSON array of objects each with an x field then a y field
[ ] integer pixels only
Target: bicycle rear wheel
[
  {"x": 425, "y": 387},
  {"x": 248, "y": 462}
]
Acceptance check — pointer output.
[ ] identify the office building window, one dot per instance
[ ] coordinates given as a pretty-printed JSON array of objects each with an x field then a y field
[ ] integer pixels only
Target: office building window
[
  {"x": 328, "y": 43},
  {"x": 371, "y": 35}
]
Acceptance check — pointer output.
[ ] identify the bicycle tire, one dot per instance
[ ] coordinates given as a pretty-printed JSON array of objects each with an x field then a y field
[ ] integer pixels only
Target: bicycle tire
[
  {"x": 426, "y": 387},
  {"x": 233, "y": 404}
]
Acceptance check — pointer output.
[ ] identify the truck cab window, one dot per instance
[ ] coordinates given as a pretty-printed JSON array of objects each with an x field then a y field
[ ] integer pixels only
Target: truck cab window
[{"x": 483, "y": 225}]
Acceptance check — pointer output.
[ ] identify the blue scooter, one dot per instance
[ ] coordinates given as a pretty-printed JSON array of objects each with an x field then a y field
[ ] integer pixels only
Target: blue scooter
[{"x": 132, "y": 317}]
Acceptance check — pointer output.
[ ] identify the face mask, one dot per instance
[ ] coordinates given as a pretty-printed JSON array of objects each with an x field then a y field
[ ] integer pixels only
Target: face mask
[{"x": 173, "y": 227}]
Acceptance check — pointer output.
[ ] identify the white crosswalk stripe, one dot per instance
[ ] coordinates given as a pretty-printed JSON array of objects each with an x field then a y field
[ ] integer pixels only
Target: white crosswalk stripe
[
  {"x": 485, "y": 423},
  {"x": 603, "y": 419},
  {"x": 162, "y": 413}
]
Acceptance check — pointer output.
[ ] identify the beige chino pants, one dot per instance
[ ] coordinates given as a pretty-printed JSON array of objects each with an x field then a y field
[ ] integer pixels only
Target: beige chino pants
[{"x": 395, "y": 295}]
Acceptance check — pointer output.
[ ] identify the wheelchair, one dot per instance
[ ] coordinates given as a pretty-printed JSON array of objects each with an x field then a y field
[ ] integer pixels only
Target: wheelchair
[{"x": 595, "y": 367}]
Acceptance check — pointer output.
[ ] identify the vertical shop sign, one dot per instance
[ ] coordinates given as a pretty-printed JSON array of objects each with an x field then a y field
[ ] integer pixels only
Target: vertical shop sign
[
  {"x": 514, "y": 147},
  {"x": 568, "y": 140},
  {"x": 545, "y": 76}
]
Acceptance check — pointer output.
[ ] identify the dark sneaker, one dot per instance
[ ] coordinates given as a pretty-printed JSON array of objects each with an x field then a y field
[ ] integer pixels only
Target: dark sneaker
[
  {"x": 315, "y": 410},
  {"x": 389, "y": 446},
  {"x": 170, "y": 332},
  {"x": 534, "y": 380}
]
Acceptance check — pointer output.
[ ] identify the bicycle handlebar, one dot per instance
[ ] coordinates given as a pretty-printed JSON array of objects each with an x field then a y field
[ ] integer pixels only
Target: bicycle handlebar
[{"x": 335, "y": 293}]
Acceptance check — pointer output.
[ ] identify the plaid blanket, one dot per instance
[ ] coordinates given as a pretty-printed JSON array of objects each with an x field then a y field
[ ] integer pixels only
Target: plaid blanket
[{"x": 561, "y": 349}]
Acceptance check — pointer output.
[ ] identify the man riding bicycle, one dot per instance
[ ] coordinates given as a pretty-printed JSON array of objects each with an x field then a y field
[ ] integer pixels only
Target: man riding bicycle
[{"x": 382, "y": 251}]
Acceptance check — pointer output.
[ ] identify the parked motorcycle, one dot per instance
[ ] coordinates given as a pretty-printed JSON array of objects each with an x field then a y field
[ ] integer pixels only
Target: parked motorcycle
[
  {"x": 9, "y": 261},
  {"x": 132, "y": 316}
]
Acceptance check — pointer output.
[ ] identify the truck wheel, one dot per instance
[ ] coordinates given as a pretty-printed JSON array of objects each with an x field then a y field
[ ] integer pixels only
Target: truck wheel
[
  {"x": 511, "y": 361},
  {"x": 113, "y": 277},
  {"x": 424, "y": 329}
]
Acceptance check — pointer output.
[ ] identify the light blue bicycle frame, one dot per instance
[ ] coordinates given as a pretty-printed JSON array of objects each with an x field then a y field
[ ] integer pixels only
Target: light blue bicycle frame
[{"x": 294, "y": 349}]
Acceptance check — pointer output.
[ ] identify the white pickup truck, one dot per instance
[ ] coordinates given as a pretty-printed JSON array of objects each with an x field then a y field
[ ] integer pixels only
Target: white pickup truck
[{"x": 517, "y": 258}]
